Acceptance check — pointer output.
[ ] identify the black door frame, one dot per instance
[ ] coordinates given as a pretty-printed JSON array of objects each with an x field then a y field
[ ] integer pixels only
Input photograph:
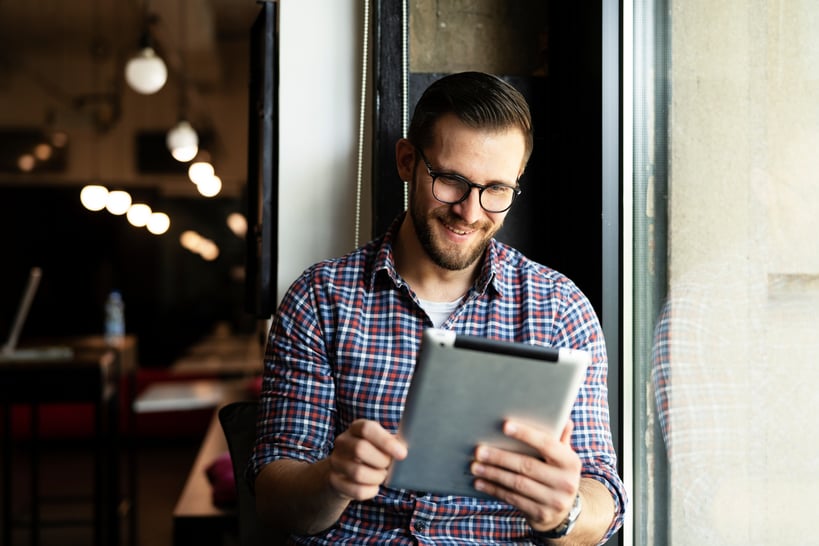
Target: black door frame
[{"x": 388, "y": 192}]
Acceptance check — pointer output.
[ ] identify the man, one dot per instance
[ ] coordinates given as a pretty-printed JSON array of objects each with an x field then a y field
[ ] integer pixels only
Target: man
[{"x": 342, "y": 347}]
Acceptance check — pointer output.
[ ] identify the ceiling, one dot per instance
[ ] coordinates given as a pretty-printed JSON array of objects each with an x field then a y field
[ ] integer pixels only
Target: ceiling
[
  {"x": 58, "y": 47},
  {"x": 186, "y": 31}
]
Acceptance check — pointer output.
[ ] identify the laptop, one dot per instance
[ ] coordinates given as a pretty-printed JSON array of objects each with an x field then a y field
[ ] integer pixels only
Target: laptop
[
  {"x": 9, "y": 350},
  {"x": 463, "y": 389}
]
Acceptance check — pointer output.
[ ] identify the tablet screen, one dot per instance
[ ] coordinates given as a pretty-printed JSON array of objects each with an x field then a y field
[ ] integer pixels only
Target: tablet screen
[{"x": 463, "y": 389}]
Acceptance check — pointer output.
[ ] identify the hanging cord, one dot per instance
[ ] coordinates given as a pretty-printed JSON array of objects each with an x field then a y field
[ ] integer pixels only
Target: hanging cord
[
  {"x": 405, "y": 80},
  {"x": 362, "y": 115},
  {"x": 183, "y": 75},
  {"x": 96, "y": 176}
]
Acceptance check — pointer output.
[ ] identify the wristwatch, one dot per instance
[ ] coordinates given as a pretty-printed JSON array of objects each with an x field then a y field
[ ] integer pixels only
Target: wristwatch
[{"x": 568, "y": 524}]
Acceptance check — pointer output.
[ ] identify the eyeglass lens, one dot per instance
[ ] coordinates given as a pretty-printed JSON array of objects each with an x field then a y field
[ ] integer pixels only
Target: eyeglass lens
[{"x": 493, "y": 198}]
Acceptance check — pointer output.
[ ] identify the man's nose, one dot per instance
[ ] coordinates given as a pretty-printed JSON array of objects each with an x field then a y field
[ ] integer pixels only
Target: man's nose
[{"x": 470, "y": 208}]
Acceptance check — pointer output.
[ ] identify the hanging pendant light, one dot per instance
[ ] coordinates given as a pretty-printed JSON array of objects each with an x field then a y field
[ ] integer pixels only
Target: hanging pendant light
[
  {"x": 146, "y": 72},
  {"x": 182, "y": 141},
  {"x": 158, "y": 223},
  {"x": 117, "y": 202},
  {"x": 210, "y": 187},
  {"x": 93, "y": 197},
  {"x": 201, "y": 169},
  {"x": 138, "y": 214}
]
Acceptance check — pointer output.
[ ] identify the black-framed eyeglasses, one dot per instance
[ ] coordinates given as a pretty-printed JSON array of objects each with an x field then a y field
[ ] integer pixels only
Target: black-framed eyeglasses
[{"x": 451, "y": 189}]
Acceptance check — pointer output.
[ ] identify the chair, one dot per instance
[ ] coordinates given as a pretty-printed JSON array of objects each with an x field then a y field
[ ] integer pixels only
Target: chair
[{"x": 238, "y": 420}]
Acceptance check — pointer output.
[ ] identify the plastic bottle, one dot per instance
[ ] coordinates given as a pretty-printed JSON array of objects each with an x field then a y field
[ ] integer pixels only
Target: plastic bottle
[{"x": 114, "y": 317}]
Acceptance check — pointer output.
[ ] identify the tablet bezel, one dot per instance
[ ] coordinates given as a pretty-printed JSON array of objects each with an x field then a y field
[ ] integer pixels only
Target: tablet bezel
[{"x": 461, "y": 393}]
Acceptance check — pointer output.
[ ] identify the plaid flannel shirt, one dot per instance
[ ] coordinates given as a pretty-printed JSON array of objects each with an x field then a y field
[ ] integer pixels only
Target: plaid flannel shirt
[{"x": 342, "y": 347}]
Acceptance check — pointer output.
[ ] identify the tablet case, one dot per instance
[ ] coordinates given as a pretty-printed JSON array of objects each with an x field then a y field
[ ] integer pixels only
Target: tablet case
[{"x": 463, "y": 389}]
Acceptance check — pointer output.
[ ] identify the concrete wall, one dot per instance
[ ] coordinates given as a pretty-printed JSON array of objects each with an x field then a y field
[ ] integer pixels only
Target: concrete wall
[
  {"x": 744, "y": 271},
  {"x": 495, "y": 36}
]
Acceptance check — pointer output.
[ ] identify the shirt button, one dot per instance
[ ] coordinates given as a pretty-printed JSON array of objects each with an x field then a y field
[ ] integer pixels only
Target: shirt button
[{"x": 420, "y": 526}]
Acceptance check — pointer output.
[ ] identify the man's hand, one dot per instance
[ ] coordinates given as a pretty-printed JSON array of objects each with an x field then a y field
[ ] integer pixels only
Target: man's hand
[
  {"x": 361, "y": 458},
  {"x": 307, "y": 498},
  {"x": 543, "y": 489}
]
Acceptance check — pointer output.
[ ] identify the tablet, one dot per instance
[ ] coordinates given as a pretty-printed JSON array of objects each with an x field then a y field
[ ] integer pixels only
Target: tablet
[{"x": 463, "y": 389}]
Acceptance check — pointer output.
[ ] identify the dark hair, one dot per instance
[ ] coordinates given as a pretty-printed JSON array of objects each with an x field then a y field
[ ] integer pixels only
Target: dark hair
[{"x": 480, "y": 101}]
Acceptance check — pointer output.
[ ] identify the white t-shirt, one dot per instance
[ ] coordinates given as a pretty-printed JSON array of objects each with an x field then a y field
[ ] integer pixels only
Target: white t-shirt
[{"x": 439, "y": 311}]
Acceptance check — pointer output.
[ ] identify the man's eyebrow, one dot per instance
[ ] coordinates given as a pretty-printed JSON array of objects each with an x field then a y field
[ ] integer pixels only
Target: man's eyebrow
[{"x": 455, "y": 174}]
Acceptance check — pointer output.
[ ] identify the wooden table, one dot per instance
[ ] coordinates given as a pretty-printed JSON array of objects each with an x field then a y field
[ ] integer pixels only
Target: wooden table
[
  {"x": 196, "y": 520},
  {"x": 90, "y": 375}
]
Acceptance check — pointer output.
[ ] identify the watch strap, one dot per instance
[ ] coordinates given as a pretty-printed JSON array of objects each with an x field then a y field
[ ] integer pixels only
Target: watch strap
[{"x": 567, "y": 524}]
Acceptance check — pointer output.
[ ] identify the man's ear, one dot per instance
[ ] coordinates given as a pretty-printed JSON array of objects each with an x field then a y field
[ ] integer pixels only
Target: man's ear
[{"x": 405, "y": 159}]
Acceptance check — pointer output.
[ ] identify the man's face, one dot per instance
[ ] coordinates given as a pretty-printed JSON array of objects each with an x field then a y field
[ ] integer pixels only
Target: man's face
[{"x": 456, "y": 236}]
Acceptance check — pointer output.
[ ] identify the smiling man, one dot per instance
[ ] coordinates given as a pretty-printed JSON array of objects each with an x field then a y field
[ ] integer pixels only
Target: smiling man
[{"x": 343, "y": 343}]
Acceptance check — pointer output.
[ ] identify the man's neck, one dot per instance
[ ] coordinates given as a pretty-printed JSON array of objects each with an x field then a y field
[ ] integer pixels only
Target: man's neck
[{"x": 427, "y": 279}]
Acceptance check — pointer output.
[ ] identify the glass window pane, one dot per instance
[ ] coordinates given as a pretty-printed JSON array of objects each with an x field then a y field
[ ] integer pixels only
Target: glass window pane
[{"x": 733, "y": 375}]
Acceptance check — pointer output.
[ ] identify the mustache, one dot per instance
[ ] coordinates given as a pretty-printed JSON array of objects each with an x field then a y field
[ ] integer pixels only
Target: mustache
[{"x": 449, "y": 217}]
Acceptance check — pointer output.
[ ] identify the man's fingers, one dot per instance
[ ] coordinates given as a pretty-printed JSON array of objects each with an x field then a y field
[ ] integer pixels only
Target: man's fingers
[
  {"x": 352, "y": 489},
  {"x": 515, "y": 472},
  {"x": 359, "y": 473},
  {"x": 361, "y": 459},
  {"x": 552, "y": 450},
  {"x": 566, "y": 437},
  {"x": 365, "y": 451},
  {"x": 379, "y": 437}
]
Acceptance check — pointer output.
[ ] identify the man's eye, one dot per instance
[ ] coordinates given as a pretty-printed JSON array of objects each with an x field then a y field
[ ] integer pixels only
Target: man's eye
[
  {"x": 449, "y": 181},
  {"x": 498, "y": 189}
]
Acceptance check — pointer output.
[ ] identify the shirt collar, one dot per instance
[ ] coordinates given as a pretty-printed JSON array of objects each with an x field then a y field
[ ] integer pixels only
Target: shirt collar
[{"x": 384, "y": 262}]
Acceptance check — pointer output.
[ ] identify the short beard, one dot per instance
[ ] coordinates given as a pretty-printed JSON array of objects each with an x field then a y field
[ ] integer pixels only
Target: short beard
[{"x": 439, "y": 255}]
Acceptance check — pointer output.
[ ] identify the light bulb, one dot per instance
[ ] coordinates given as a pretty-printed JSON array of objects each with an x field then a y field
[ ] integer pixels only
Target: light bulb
[
  {"x": 43, "y": 151},
  {"x": 200, "y": 171},
  {"x": 26, "y": 162},
  {"x": 59, "y": 139},
  {"x": 158, "y": 223},
  {"x": 182, "y": 141},
  {"x": 208, "y": 250},
  {"x": 189, "y": 240},
  {"x": 138, "y": 214},
  {"x": 183, "y": 154},
  {"x": 237, "y": 224},
  {"x": 210, "y": 187},
  {"x": 146, "y": 72},
  {"x": 93, "y": 197},
  {"x": 117, "y": 202}
]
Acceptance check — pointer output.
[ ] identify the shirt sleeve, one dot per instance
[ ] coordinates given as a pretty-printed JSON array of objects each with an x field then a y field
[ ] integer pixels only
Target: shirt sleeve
[
  {"x": 591, "y": 438},
  {"x": 296, "y": 413}
]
